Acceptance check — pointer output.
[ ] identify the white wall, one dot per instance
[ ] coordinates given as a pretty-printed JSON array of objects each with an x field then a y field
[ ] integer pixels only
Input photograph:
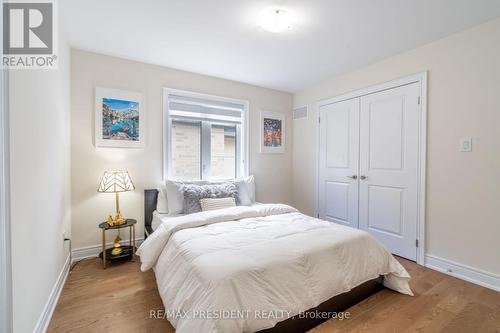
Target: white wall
[
  {"x": 5, "y": 253},
  {"x": 273, "y": 172},
  {"x": 40, "y": 185},
  {"x": 463, "y": 196}
]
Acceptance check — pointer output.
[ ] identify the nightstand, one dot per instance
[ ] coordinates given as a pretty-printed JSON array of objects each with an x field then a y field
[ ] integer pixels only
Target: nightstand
[{"x": 128, "y": 251}]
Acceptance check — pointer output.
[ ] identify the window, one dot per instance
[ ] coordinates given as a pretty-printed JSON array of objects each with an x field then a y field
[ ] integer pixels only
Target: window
[
  {"x": 186, "y": 149},
  {"x": 223, "y": 151},
  {"x": 204, "y": 136}
]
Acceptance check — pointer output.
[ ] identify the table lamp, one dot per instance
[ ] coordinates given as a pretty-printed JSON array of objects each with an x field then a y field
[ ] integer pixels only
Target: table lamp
[{"x": 116, "y": 182}]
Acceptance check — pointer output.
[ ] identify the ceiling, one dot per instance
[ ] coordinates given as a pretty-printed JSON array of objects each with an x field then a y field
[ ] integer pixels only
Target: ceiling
[{"x": 221, "y": 38}]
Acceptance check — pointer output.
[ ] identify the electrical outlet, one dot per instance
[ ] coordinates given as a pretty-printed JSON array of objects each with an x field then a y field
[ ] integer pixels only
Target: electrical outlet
[{"x": 466, "y": 145}]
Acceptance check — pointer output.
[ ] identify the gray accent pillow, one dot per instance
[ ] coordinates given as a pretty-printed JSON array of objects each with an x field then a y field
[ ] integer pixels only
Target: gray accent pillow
[{"x": 194, "y": 193}]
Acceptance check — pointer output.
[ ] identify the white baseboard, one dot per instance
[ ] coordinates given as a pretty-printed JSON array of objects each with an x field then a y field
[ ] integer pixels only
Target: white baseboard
[
  {"x": 48, "y": 310},
  {"x": 464, "y": 272},
  {"x": 93, "y": 251}
]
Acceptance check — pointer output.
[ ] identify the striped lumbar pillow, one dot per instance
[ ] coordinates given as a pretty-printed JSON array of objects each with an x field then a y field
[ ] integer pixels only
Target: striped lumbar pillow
[{"x": 217, "y": 203}]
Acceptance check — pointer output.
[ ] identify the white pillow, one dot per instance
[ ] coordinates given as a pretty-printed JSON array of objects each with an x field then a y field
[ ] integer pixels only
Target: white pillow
[
  {"x": 246, "y": 190},
  {"x": 162, "y": 203},
  {"x": 175, "y": 197},
  {"x": 216, "y": 203}
]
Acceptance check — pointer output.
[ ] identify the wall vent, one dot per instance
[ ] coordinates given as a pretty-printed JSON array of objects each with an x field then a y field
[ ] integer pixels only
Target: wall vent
[{"x": 300, "y": 113}]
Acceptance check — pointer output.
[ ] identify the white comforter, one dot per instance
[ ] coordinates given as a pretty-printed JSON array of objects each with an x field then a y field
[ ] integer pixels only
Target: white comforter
[{"x": 256, "y": 266}]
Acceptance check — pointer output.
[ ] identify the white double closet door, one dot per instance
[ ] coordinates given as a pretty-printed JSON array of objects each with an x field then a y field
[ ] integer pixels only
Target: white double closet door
[{"x": 368, "y": 166}]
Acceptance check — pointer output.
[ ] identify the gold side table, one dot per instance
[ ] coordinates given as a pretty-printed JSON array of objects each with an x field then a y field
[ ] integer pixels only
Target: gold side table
[{"x": 128, "y": 251}]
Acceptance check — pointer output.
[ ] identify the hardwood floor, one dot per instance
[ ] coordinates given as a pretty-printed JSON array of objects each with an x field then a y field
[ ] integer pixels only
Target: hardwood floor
[{"x": 119, "y": 299}]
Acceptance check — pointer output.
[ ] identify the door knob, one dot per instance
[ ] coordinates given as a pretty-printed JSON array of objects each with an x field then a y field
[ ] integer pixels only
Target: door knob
[
  {"x": 363, "y": 177},
  {"x": 353, "y": 177}
]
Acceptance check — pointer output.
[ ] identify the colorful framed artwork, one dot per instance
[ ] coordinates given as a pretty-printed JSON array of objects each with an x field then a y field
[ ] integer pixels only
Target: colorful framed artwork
[
  {"x": 272, "y": 132},
  {"x": 119, "y": 118}
]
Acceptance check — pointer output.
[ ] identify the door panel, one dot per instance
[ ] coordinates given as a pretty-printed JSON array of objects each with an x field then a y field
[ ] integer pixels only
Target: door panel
[
  {"x": 388, "y": 166},
  {"x": 336, "y": 195},
  {"x": 338, "y": 161},
  {"x": 386, "y": 134},
  {"x": 384, "y": 210},
  {"x": 337, "y": 138}
]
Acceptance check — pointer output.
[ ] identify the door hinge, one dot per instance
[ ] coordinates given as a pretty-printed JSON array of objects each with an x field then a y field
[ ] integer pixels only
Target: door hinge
[
  {"x": 416, "y": 242},
  {"x": 319, "y": 120},
  {"x": 418, "y": 100}
]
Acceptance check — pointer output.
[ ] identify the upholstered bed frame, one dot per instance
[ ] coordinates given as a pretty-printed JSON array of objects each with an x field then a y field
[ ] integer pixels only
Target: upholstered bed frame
[
  {"x": 295, "y": 324},
  {"x": 150, "y": 199}
]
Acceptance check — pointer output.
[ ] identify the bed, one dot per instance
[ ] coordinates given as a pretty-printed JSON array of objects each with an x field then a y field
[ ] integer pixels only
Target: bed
[{"x": 261, "y": 268}]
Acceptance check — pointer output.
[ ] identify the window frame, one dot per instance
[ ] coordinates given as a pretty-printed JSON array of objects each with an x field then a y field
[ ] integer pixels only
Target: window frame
[{"x": 242, "y": 137}]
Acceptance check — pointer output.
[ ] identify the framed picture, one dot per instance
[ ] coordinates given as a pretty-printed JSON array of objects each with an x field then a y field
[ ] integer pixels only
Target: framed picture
[
  {"x": 272, "y": 132},
  {"x": 119, "y": 118}
]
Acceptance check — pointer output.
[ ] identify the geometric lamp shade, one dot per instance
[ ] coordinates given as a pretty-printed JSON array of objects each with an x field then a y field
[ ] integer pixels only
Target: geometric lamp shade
[{"x": 115, "y": 181}]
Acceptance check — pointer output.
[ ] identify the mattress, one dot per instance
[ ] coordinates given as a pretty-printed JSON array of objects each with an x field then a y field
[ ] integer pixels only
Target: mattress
[{"x": 259, "y": 265}]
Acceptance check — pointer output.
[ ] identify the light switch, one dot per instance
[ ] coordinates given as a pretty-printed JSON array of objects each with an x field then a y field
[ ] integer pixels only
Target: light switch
[{"x": 466, "y": 145}]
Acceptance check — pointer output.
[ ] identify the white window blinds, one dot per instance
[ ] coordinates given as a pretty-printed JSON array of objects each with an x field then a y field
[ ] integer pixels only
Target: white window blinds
[{"x": 205, "y": 109}]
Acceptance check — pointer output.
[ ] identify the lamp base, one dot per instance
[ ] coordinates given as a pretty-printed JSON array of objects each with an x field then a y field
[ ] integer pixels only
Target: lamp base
[
  {"x": 117, "y": 220},
  {"x": 118, "y": 217}
]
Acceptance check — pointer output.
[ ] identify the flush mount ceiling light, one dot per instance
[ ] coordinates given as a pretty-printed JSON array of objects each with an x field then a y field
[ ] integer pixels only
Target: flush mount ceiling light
[{"x": 275, "y": 19}]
